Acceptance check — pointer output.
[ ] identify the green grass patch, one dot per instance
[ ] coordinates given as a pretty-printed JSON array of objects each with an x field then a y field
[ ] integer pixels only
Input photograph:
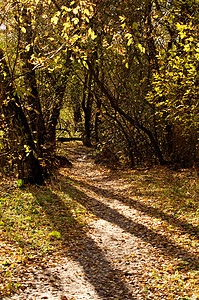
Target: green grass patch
[{"x": 34, "y": 222}]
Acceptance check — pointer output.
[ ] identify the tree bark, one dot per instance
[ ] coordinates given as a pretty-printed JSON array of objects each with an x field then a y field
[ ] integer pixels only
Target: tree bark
[
  {"x": 60, "y": 86},
  {"x": 86, "y": 106},
  {"x": 97, "y": 119},
  {"x": 34, "y": 107},
  {"x": 29, "y": 168}
]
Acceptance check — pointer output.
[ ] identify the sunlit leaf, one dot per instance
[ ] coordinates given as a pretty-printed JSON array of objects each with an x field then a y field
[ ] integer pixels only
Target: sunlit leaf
[{"x": 23, "y": 29}]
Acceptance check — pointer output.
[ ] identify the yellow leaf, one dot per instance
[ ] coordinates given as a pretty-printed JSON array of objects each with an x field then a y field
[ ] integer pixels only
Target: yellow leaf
[
  {"x": 75, "y": 11},
  {"x": 129, "y": 42},
  {"x": 54, "y": 20},
  {"x": 28, "y": 48},
  {"x": 85, "y": 64},
  {"x": 142, "y": 49},
  {"x": 23, "y": 29},
  {"x": 75, "y": 20},
  {"x": 122, "y": 18},
  {"x": 87, "y": 12},
  {"x": 92, "y": 34}
]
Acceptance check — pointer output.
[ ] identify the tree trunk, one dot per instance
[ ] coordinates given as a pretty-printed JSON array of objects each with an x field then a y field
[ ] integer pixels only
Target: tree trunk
[
  {"x": 54, "y": 116},
  {"x": 29, "y": 168},
  {"x": 86, "y": 106},
  {"x": 32, "y": 96},
  {"x": 97, "y": 117},
  {"x": 60, "y": 86}
]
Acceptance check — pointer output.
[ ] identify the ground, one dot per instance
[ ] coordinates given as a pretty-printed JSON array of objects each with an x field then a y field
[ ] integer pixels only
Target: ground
[{"x": 139, "y": 239}]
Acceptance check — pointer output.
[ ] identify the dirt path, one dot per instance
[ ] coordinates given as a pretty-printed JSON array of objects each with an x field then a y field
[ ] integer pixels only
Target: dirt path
[{"x": 117, "y": 257}]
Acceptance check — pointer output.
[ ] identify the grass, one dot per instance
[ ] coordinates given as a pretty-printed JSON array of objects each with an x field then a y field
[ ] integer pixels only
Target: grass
[
  {"x": 175, "y": 199},
  {"x": 34, "y": 222},
  {"x": 39, "y": 222},
  {"x": 174, "y": 193},
  {"x": 172, "y": 199}
]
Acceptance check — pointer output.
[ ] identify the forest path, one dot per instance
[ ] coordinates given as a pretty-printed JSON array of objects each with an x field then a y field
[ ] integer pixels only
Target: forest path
[{"x": 124, "y": 251}]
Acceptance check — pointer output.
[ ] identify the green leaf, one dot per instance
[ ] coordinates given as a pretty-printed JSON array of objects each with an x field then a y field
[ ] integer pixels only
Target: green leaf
[
  {"x": 135, "y": 25},
  {"x": 64, "y": 7},
  {"x": 55, "y": 234},
  {"x": 20, "y": 182}
]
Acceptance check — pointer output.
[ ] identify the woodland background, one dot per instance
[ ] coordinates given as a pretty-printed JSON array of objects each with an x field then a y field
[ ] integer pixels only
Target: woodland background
[
  {"x": 117, "y": 73},
  {"x": 120, "y": 77}
]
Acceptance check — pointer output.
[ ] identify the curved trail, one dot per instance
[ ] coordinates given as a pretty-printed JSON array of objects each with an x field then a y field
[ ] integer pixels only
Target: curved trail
[{"x": 116, "y": 257}]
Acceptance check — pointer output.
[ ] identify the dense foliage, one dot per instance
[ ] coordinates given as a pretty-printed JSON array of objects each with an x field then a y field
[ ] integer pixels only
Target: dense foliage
[{"x": 111, "y": 72}]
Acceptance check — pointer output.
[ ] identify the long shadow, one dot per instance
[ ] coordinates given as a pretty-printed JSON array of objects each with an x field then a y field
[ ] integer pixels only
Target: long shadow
[
  {"x": 146, "y": 209},
  {"x": 106, "y": 280},
  {"x": 157, "y": 240}
]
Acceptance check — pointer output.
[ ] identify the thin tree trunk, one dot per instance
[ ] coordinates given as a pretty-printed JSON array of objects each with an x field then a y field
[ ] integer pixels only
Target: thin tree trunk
[
  {"x": 97, "y": 120},
  {"x": 133, "y": 121},
  {"x": 58, "y": 102},
  {"x": 128, "y": 139},
  {"x": 86, "y": 106}
]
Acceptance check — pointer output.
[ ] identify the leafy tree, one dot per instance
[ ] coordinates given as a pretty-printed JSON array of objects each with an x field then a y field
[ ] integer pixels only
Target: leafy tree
[
  {"x": 28, "y": 164},
  {"x": 175, "y": 87},
  {"x": 133, "y": 67}
]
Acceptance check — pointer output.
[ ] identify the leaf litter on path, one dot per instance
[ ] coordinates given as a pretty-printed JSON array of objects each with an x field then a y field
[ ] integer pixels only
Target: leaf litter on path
[{"x": 112, "y": 234}]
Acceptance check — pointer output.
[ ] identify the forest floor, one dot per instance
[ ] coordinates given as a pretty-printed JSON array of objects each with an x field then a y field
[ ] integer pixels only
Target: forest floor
[{"x": 101, "y": 233}]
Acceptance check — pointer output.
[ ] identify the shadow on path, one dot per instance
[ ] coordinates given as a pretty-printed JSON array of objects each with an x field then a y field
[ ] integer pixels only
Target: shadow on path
[
  {"x": 157, "y": 240},
  {"x": 146, "y": 209},
  {"x": 106, "y": 280}
]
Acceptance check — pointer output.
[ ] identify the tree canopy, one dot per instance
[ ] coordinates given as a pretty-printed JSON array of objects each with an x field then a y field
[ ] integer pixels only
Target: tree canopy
[{"x": 110, "y": 72}]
